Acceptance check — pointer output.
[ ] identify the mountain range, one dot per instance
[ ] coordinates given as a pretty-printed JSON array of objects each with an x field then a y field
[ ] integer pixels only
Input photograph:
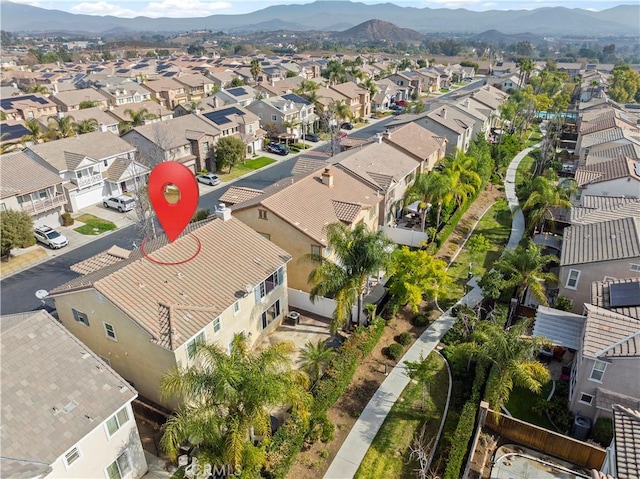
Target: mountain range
[{"x": 339, "y": 16}]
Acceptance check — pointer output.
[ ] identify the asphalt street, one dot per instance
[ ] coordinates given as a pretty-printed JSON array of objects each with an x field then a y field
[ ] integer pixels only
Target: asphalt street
[{"x": 17, "y": 292}]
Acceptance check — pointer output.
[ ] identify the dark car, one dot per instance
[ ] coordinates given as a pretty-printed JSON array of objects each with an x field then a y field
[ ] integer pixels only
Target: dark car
[
  {"x": 346, "y": 126},
  {"x": 278, "y": 149},
  {"x": 312, "y": 137}
]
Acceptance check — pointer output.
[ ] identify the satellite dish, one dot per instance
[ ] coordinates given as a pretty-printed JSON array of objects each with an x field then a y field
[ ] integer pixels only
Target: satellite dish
[{"x": 41, "y": 294}]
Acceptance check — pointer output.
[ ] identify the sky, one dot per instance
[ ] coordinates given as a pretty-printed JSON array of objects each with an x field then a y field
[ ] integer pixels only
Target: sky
[{"x": 202, "y": 8}]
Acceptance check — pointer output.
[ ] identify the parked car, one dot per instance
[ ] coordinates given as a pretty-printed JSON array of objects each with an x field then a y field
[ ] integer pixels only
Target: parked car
[
  {"x": 50, "y": 237},
  {"x": 208, "y": 179},
  {"x": 347, "y": 126},
  {"x": 120, "y": 203},
  {"x": 278, "y": 149},
  {"x": 312, "y": 137}
]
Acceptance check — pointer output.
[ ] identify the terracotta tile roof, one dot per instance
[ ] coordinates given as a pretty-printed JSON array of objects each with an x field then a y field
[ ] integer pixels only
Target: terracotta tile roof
[
  {"x": 173, "y": 303},
  {"x": 606, "y": 399},
  {"x": 624, "y": 210},
  {"x": 54, "y": 389},
  {"x": 75, "y": 97},
  {"x": 173, "y": 133},
  {"x": 607, "y": 333},
  {"x": 113, "y": 255},
  {"x": 604, "y": 202},
  {"x": 607, "y": 151},
  {"x": 306, "y": 164},
  {"x": 415, "y": 139},
  {"x": 97, "y": 146},
  {"x": 151, "y": 106},
  {"x": 20, "y": 174},
  {"x": 602, "y": 136},
  {"x": 605, "y": 241},
  {"x": 346, "y": 212},
  {"x": 626, "y": 431},
  {"x": 608, "y": 170},
  {"x": 239, "y": 194}
]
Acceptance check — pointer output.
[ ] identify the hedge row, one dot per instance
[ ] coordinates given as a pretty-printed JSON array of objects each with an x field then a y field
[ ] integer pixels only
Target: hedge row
[
  {"x": 457, "y": 216},
  {"x": 289, "y": 439},
  {"x": 464, "y": 429}
]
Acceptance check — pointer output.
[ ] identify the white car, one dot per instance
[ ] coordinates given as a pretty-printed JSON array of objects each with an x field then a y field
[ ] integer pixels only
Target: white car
[
  {"x": 120, "y": 203},
  {"x": 208, "y": 179},
  {"x": 50, "y": 237}
]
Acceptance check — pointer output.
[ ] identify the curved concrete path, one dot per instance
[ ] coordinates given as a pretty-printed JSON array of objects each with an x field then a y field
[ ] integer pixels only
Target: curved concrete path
[{"x": 357, "y": 443}]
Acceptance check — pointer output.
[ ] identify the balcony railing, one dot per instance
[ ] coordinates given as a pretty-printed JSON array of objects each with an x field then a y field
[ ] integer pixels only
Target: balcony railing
[
  {"x": 40, "y": 206},
  {"x": 86, "y": 181}
]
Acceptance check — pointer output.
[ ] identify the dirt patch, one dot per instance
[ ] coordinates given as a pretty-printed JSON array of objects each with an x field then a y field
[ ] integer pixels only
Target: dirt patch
[
  {"x": 315, "y": 461},
  {"x": 487, "y": 198}
]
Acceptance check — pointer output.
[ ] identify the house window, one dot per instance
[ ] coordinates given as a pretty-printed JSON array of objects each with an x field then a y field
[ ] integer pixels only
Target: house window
[
  {"x": 373, "y": 210},
  {"x": 110, "y": 331},
  {"x": 205, "y": 147},
  {"x": 274, "y": 118},
  {"x": 71, "y": 456},
  {"x": 635, "y": 267},
  {"x": 217, "y": 325},
  {"x": 269, "y": 284},
  {"x": 315, "y": 250},
  {"x": 572, "y": 279},
  {"x": 586, "y": 399},
  {"x": 236, "y": 309},
  {"x": 116, "y": 421},
  {"x": 266, "y": 235},
  {"x": 597, "y": 373},
  {"x": 80, "y": 317},
  {"x": 262, "y": 214},
  {"x": 270, "y": 314},
  {"x": 119, "y": 468},
  {"x": 105, "y": 163},
  {"x": 192, "y": 346}
]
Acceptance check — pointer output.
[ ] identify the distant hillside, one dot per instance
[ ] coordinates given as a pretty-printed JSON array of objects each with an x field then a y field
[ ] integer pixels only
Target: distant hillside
[
  {"x": 494, "y": 36},
  {"x": 325, "y": 15},
  {"x": 377, "y": 30}
]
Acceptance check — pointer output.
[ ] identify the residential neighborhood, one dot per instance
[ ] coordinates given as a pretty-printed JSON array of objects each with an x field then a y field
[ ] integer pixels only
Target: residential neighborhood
[{"x": 397, "y": 266}]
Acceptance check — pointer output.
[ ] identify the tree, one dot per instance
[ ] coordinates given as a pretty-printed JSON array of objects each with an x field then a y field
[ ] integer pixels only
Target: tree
[
  {"x": 226, "y": 398},
  {"x": 86, "y": 126},
  {"x": 16, "y": 229},
  {"x": 523, "y": 268},
  {"x": 492, "y": 284},
  {"x": 8, "y": 146},
  {"x": 342, "y": 110},
  {"x": 237, "y": 81},
  {"x": 416, "y": 275},
  {"x": 546, "y": 195},
  {"x": 510, "y": 354},
  {"x": 357, "y": 254},
  {"x": 38, "y": 89},
  {"x": 423, "y": 372},
  {"x": 139, "y": 117},
  {"x": 61, "y": 126},
  {"x": 87, "y": 104},
  {"x": 35, "y": 128},
  {"x": 255, "y": 69},
  {"x": 625, "y": 84},
  {"x": 315, "y": 357},
  {"x": 228, "y": 151}
]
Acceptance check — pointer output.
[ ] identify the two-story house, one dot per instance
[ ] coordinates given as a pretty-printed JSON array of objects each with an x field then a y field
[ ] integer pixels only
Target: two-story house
[
  {"x": 358, "y": 98},
  {"x": 70, "y": 100},
  {"x": 289, "y": 114},
  {"x": 65, "y": 413},
  {"x": 26, "y": 185},
  {"x": 169, "y": 92},
  {"x": 455, "y": 126},
  {"x": 242, "y": 95},
  {"x": 409, "y": 84},
  {"x": 331, "y": 195},
  {"x": 155, "y": 112},
  {"x": 235, "y": 120},
  {"x": 618, "y": 177},
  {"x": 125, "y": 93},
  {"x": 27, "y": 107},
  {"x": 92, "y": 166},
  {"x": 197, "y": 86},
  {"x": 418, "y": 142},
  {"x": 147, "y": 318}
]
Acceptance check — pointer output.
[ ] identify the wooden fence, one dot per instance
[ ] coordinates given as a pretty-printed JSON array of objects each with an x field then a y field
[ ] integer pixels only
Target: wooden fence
[{"x": 563, "y": 447}]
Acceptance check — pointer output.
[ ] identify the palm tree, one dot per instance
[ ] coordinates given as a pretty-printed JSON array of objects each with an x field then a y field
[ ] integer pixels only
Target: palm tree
[
  {"x": 342, "y": 110},
  {"x": 358, "y": 253},
  {"x": 35, "y": 128},
  {"x": 523, "y": 268},
  {"x": 38, "y": 89},
  {"x": 370, "y": 85},
  {"x": 139, "y": 117},
  {"x": 86, "y": 126},
  {"x": 315, "y": 358},
  {"x": 62, "y": 126},
  {"x": 226, "y": 397},
  {"x": 255, "y": 69},
  {"x": 8, "y": 146},
  {"x": 510, "y": 354},
  {"x": 546, "y": 195}
]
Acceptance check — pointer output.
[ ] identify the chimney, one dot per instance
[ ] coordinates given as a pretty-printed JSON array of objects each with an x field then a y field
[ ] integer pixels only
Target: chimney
[
  {"x": 327, "y": 178},
  {"x": 196, "y": 111},
  {"x": 378, "y": 137},
  {"x": 467, "y": 103},
  {"x": 443, "y": 113},
  {"x": 102, "y": 127},
  {"x": 215, "y": 102},
  {"x": 387, "y": 134},
  {"x": 223, "y": 212},
  {"x": 55, "y": 88}
]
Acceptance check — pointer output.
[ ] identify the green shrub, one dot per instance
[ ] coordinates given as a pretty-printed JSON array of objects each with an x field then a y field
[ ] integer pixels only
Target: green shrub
[
  {"x": 563, "y": 303},
  {"x": 405, "y": 338},
  {"x": 420, "y": 320},
  {"x": 324, "y": 453},
  {"x": 200, "y": 215},
  {"x": 29, "y": 242},
  {"x": 602, "y": 432},
  {"x": 67, "y": 219},
  {"x": 394, "y": 352}
]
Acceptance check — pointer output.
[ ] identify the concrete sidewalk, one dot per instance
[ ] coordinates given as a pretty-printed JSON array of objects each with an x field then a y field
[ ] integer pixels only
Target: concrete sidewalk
[{"x": 355, "y": 447}]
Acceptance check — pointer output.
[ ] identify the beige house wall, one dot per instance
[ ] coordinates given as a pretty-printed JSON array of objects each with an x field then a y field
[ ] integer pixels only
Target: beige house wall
[
  {"x": 132, "y": 355},
  {"x": 292, "y": 240},
  {"x": 590, "y": 272},
  {"x": 628, "y": 187},
  {"x": 98, "y": 450}
]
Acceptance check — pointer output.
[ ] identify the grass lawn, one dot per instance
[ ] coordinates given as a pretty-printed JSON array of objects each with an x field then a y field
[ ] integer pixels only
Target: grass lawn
[
  {"x": 93, "y": 225},
  {"x": 243, "y": 168},
  {"x": 521, "y": 402},
  {"x": 495, "y": 226},
  {"x": 389, "y": 453}
]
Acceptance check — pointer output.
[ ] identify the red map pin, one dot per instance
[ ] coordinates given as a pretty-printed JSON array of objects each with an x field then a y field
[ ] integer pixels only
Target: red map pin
[{"x": 173, "y": 217}]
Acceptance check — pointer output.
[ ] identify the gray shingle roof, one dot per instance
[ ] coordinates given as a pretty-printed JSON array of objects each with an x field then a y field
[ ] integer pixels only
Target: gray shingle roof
[
  {"x": 605, "y": 241},
  {"x": 54, "y": 389},
  {"x": 20, "y": 174},
  {"x": 626, "y": 429}
]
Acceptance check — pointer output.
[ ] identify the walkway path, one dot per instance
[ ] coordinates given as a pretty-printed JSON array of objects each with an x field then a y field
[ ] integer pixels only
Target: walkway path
[{"x": 353, "y": 449}]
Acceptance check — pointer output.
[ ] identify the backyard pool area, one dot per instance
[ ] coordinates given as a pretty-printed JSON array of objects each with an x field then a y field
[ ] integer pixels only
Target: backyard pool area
[{"x": 515, "y": 462}]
